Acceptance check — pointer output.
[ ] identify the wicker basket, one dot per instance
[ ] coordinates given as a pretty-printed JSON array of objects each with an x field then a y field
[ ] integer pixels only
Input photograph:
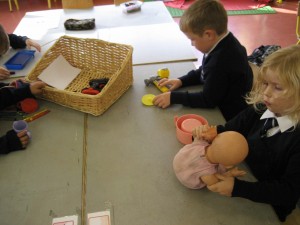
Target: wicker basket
[{"x": 96, "y": 59}]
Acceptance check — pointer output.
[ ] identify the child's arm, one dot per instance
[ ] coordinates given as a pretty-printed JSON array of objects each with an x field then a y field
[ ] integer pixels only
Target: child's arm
[
  {"x": 10, "y": 95},
  {"x": 224, "y": 186},
  {"x": 36, "y": 87},
  {"x": 13, "y": 141},
  {"x": 173, "y": 84},
  {"x": 22, "y": 42},
  {"x": 32, "y": 43},
  {"x": 162, "y": 100},
  {"x": 17, "y": 41}
]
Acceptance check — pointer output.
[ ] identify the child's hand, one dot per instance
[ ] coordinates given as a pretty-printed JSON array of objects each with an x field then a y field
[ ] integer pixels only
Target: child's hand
[
  {"x": 4, "y": 73},
  {"x": 36, "y": 87},
  {"x": 31, "y": 43},
  {"x": 235, "y": 172},
  {"x": 172, "y": 84},
  {"x": 224, "y": 186},
  {"x": 205, "y": 132},
  {"x": 14, "y": 83},
  {"x": 24, "y": 138},
  {"x": 162, "y": 100}
]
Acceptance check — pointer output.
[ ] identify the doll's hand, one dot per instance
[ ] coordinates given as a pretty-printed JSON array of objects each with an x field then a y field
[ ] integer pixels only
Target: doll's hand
[
  {"x": 224, "y": 186},
  {"x": 24, "y": 138},
  {"x": 205, "y": 132},
  {"x": 31, "y": 43},
  {"x": 37, "y": 87},
  {"x": 4, "y": 73},
  {"x": 235, "y": 172},
  {"x": 162, "y": 100},
  {"x": 172, "y": 84}
]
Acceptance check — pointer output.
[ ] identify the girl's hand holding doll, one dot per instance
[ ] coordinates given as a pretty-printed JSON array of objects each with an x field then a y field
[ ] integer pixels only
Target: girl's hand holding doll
[
  {"x": 205, "y": 132},
  {"x": 224, "y": 186}
]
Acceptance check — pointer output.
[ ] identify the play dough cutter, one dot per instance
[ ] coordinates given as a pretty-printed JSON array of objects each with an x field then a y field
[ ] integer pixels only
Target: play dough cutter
[{"x": 148, "y": 99}]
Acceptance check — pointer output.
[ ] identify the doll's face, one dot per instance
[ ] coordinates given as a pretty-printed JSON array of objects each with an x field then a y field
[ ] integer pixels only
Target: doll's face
[{"x": 274, "y": 94}]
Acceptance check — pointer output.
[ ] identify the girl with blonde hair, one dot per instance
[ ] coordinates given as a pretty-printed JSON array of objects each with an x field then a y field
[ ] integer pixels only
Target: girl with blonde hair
[{"x": 271, "y": 127}]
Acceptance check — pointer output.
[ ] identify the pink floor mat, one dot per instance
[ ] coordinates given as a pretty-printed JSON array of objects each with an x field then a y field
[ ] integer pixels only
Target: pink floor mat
[{"x": 228, "y": 4}]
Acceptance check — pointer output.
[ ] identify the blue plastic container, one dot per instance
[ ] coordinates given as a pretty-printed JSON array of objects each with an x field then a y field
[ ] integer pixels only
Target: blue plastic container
[{"x": 19, "y": 60}]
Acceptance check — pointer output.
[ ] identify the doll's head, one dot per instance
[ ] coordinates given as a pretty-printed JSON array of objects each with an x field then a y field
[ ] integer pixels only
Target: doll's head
[
  {"x": 228, "y": 148},
  {"x": 4, "y": 41}
]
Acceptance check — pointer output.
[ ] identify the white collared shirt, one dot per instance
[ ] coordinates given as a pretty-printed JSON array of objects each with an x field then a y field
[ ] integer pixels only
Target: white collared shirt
[
  {"x": 206, "y": 54},
  {"x": 284, "y": 123}
]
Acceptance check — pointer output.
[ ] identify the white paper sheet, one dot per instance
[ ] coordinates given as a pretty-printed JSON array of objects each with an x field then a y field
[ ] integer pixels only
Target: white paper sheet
[
  {"x": 99, "y": 218},
  {"x": 67, "y": 220},
  {"x": 59, "y": 73}
]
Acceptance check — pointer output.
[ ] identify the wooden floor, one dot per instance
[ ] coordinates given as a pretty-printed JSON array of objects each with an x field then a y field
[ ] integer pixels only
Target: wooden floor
[{"x": 251, "y": 30}]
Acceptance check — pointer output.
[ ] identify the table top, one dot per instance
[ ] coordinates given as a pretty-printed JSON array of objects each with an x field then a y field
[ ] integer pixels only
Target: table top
[
  {"x": 28, "y": 67},
  {"x": 78, "y": 164},
  {"x": 123, "y": 157},
  {"x": 106, "y": 16},
  {"x": 43, "y": 181},
  {"x": 152, "y": 32}
]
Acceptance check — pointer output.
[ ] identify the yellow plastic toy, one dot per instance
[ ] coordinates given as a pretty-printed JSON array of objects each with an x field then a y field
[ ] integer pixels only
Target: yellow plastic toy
[
  {"x": 161, "y": 73},
  {"x": 148, "y": 99}
]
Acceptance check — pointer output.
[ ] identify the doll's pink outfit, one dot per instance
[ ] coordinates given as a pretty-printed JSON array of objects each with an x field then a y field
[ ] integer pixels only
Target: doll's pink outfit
[{"x": 190, "y": 164}]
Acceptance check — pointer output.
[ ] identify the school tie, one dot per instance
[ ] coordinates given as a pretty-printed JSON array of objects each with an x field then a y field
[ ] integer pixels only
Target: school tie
[
  {"x": 269, "y": 124},
  {"x": 202, "y": 72}
]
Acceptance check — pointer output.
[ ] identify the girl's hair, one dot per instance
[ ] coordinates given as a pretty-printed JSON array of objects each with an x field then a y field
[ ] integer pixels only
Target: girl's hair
[
  {"x": 286, "y": 63},
  {"x": 4, "y": 41},
  {"x": 203, "y": 15}
]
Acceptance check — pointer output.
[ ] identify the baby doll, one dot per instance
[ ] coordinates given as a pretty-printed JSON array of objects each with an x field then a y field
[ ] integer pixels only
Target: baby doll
[{"x": 196, "y": 164}]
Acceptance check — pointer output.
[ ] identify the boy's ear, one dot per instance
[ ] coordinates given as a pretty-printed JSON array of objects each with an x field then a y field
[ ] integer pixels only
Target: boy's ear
[{"x": 210, "y": 34}]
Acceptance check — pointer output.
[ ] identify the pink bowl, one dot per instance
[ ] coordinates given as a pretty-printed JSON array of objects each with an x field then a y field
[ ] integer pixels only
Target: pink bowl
[{"x": 185, "y": 125}]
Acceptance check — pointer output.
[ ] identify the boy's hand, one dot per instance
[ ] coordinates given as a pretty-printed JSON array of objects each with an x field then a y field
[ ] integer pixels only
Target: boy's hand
[
  {"x": 205, "y": 132},
  {"x": 24, "y": 139},
  {"x": 36, "y": 87},
  {"x": 172, "y": 84},
  {"x": 4, "y": 73},
  {"x": 162, "y": 100},
  {"x": 31, "y": 43}
]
